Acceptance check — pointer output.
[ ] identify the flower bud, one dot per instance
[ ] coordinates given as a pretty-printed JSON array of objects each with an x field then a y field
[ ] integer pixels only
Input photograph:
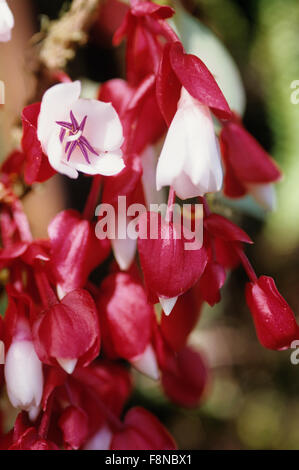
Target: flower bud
[
  {"x": 273, "y": 318},
  {"x": 23, "y": 375}
]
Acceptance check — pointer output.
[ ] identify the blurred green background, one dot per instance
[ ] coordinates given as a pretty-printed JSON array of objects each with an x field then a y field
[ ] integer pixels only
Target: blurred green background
[{"x": 252, "y": 401}]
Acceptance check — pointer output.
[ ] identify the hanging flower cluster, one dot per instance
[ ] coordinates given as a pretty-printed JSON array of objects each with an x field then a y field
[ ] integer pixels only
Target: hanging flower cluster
[{"x": 70, "y": 342}]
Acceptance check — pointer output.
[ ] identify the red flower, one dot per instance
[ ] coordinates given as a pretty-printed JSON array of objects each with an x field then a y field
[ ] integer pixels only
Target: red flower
[
  {"x": 25, "y": 437},
  {"x": 68, "y": 331},
  {"x": 138, "y": 109},
  {"x": 185, "y": 380},
  {"x": 37, "y": 167},
  {"x": 273, "y": 318},
  {"x": 74, "y": 425},
  {"x": 222, "y": 237},
  {"x": 176, "y": 327},
  {"x": 248, "y": 166},
  {"x": 125, "y": 316},
  {"x": 141, "y": 27},
  {"x": 178, "y": 69},
  {"x": 169, "y": 269},
  {"x": 142, "y": 431},
  {"x": 75, "y": 250}
]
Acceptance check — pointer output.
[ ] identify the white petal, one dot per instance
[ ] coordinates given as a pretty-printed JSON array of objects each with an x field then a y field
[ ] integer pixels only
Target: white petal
[
  {"x": 185, "y": 188},
  {"x": 103, "y": 128},
  {"x": 5, "y": 36},
  {"x": 264, "y": 194},
  {"x": 56, "y": 105},
  {"x": 101, "y": 440},
  {"x": 68, "y": 365},
  {"x": 146, "y": 363},
  {"x": 149, "y": 165},
  {"x": 124, "y": 252},
  {"x": 57, "y": 158},
  {"x": 190, "y": 159},
  {"x": 172, "y": 158},
  {"x": 6, "y": 22},
  {"x": 60, "y": 292},
  {"x": 167, "y": 304},
  {"x": 107, "y": 164},
  {"x": 33, "y": 412},
  {"x": 23, "y": 375}
]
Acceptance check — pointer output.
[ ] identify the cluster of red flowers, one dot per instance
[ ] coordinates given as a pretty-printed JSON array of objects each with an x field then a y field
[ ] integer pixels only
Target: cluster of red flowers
[{"x": 70, "y": 343}]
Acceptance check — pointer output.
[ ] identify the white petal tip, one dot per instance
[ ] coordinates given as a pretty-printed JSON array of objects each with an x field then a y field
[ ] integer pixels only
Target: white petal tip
[
  {"x": 68, "y": 365},
  {"x": 33, "y": 413},
  {"x": 167, "y": 304},
  {"x": 60, "y": 292},
  {"x": 146, "y": 363},
  {"x": 124, "y": 252},
  {"x": 100, "y": 441}
]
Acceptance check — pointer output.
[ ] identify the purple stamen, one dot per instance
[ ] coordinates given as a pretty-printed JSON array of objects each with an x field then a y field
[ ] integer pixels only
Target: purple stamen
[
  {"x": 87, "y": 144},
  {"x": 74, "y": 121},
  {"x": 62, "y": 134},
  {"x": 82, "y": 125},
  {"x": 74, "y": 128},
  {"x": 84, "y": 151},
  {"x": 72, "y": 148},
  {"x": 67, "y": 146}
]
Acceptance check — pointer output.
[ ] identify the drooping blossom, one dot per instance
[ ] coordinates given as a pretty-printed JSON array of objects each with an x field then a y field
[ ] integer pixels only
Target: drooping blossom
[
  {"x": 142, "y": 26},
  {"x": 167, "y": 276},
  {"x": 6, "y": 21},
  {"x": 190, "y": 159},
  {"x": 126, "y": 318},
  {"x": 222, "y": 237},
  {"x": 75, "y": 250},
  {"x": 24, "y": 436},
  {"x": 79, "y": 134},
  {"x": 67, "y": 332},
  {"x": 73, "y": 396},
  {"x": 186, "y": 93},
  {"x": 23, "y": 371},
  {"x": 185, "y": 378},
  {"x": 248, "y": 167},
  {"x": 273, "y": 318},
  {"x": 142, "y": 431}
]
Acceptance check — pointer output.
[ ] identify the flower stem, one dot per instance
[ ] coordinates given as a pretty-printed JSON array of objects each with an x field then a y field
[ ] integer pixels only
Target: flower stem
[
  {"x": 45, "y": 421},
  {"x": 206, "y": 208},
  {"x": 246, "y": 264}
]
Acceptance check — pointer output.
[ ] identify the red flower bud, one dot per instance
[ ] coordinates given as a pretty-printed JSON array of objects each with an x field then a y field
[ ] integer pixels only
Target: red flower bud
[
  {"x": 68, "y": 331},
  {"x": 185, "y": 381},
  {"x": 75, "y": 249},
  {"x": 169, "y": 269},
  {"x": 255, "y": 166},
  {"x": 273, "y": 318},
  {"x": 74, "y": 425},
  {"x": 125, "y": 315},
  {"x": 142, "y": 431}
]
